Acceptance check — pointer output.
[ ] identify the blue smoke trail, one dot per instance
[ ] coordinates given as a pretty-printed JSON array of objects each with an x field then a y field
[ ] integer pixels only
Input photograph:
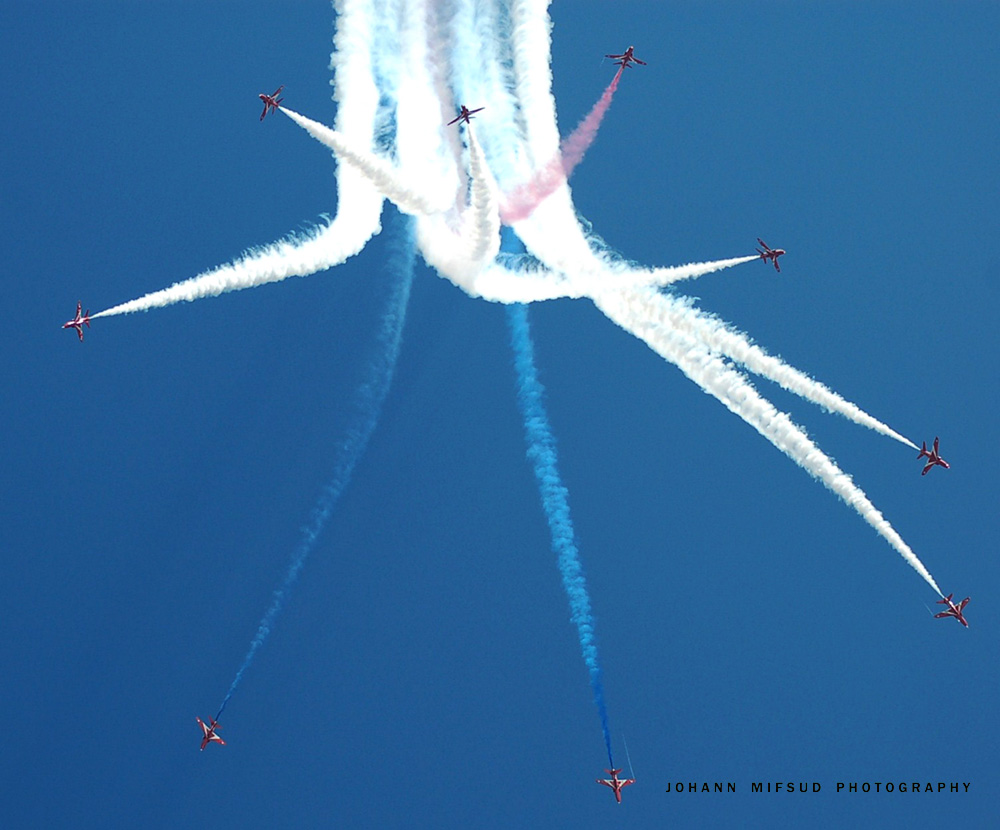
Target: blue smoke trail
[
  {"x": 368, "y": 406},
  {"x": 555, "y": 497}
]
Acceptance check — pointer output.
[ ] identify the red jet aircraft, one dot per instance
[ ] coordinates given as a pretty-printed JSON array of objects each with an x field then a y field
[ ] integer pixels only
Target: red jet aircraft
[
  {"x": 953, "y": 610},
  {"x": 209, "y": 731},
  {"x": 464, "y": 115},
  {"x": 933, "y": 458},
  {"x": 79, "y": 321},
  {"x": 614, "y": 783},
  {"x": 271, "y": 101},
  {"x": 768, "y": 254},
  {"x": 626, "y": 58}
]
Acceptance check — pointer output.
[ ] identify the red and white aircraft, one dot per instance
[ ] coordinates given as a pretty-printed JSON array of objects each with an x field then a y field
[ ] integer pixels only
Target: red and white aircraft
[
  {"x": 953, "y": 610},
  {"x": 626, "y": 58},
  {"x": 209, "y": 731},
  {"x": 769, "y": 254},
  {"x": 933, "y": 459},
  {"x": 79, "y": 321},
  {"x": 614, "y": 783},
  {"x": 271, "y": 101},
  {"x": 464, "y": 115}
]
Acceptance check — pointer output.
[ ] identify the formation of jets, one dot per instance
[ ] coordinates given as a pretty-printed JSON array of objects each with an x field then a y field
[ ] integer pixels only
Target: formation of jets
[
  {"x": 933, "y": 459},
  {"x": 271, "y": 101},
  {"x": 464, "y": 115},
  {"x": 79, "y": 321},
  {"x": 209, "y": 730},
  {"x": 615, "y": 783},
  {"x": 953, "y": 610},
  {"x": 626, "y": 58},
  {"x": 769, "y": 254}
]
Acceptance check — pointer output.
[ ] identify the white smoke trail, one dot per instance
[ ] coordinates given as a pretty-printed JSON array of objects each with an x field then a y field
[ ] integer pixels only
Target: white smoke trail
[
  {"x": 446, "y": 251},
  {"x": 483, "y": 226},
  {"x": 532, "y": 47},
  {"x": 589, "y": 271},
  {"x": 631, "y": 311},
  {"x": 356, "y": 96},
  {"x": 359, "y": 205},
  {"x": 295, "y": 257},
  {"x": 674, "y": 273},
  {"x": 379, "y": 172},
  {"x": 721, "y": 338}
]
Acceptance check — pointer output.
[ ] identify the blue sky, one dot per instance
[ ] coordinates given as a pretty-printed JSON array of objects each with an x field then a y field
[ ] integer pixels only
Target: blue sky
[{"x": 751, "y": 627}]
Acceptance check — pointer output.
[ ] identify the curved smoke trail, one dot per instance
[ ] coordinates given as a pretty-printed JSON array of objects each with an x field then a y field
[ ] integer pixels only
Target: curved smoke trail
[
  {"x": 299, "y": 255},
  {"x": 368, "y": 403},
  {"x": 359, "y": 204},
  {"x": 555, "y": 501}
]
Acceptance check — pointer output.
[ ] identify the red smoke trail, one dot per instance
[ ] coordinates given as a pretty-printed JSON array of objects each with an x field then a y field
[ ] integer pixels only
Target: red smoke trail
[{"x": 521, "y": 203}]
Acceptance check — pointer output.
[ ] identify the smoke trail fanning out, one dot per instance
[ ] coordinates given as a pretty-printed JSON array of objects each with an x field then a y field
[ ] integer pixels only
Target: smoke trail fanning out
[
  {"x": 739, "y": 396},
  {"x": 555, "y": 502},
  {"x": 723, "y": 339},
  {"x": 368, "y": 406}
]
